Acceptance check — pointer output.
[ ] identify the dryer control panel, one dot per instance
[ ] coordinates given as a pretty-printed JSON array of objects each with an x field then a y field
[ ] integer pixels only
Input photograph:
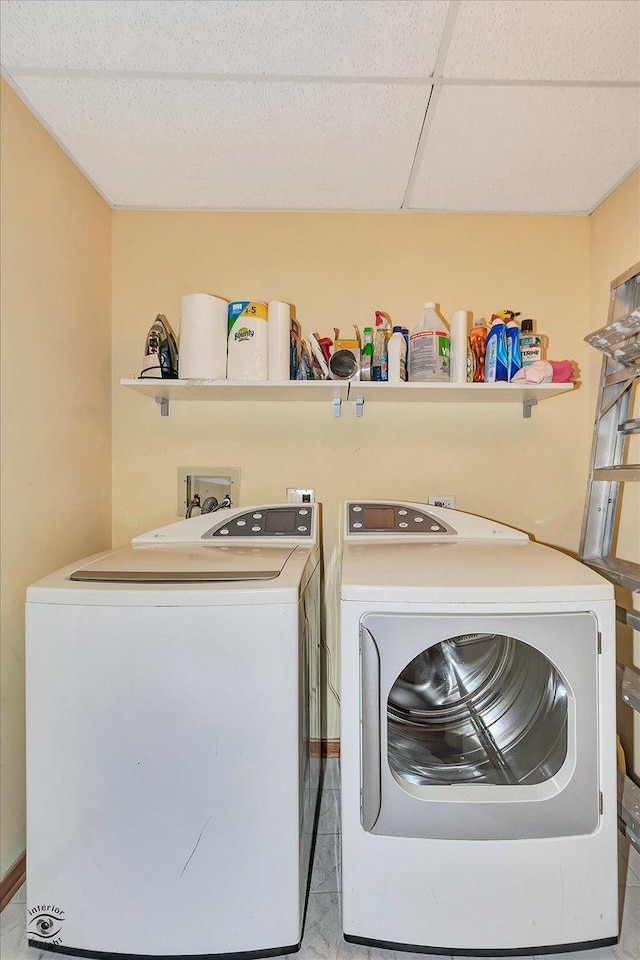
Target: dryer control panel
[
  {"x": 384, "y": 521},
  {"x": 393, "y": 518}
]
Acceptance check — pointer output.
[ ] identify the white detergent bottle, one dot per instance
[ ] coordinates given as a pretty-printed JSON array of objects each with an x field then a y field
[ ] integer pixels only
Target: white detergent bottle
[
  {"x": 429, "y": 346},
  {"x": 397, "y": 354}
]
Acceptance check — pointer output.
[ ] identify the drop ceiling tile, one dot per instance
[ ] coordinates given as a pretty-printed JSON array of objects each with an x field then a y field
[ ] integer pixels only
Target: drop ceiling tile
[
  {"x": 526, "y": 149},
  {"x": 546, "y": 40},
  {"x": 307, "y": 37},
  {"x": 161, "y": 143}
]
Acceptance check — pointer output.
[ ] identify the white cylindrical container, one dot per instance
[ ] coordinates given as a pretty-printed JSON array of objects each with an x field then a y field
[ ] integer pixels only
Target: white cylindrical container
[
  {"x": 279, "y": 337},
  {"x": 459, "y": 346},
  {"x": 203, "y": 338},
  {"x": 248, "y": 345},
  {"x": 397, "y": 357}
]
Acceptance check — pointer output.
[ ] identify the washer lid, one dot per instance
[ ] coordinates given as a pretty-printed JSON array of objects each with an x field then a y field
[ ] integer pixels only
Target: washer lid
[{"x": 184, "y": 564}]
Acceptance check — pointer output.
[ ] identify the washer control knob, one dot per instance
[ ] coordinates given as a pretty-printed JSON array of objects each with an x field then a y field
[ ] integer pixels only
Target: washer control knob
[
  {"x": 434, "y": 526},
  {"x": 257, "y": 516},
  {"x": 357, "y": 509},
  {"x": 402, "y": 513},
  {"x": 256, "y": 529},
  {"x": 302, "y": 529},
  {"x": 241, "y": 523},
  {"x": 224, "y": 532},
  {"x": 403, "y": 524},
  {"x": 418, "y": 519},
  {"x": 303, "y": 513}
]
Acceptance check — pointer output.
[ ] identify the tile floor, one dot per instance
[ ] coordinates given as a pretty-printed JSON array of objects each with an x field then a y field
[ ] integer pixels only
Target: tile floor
[{"x": 323, "y": 931}]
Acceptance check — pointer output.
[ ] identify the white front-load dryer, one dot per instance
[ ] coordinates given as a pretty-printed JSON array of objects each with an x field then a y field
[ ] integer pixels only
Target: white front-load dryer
[
  {"x": 479, "y": 808},
  {"x": 172, "y": 700}
]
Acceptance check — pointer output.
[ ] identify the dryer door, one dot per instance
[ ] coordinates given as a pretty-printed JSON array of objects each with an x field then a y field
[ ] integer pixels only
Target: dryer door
[{"x": 479, "y": 727}]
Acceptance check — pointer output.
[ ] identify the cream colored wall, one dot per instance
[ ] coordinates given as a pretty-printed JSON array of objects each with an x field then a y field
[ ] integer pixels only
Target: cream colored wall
[
  {"x": 337, "y": 268},
  {"x": 614, "y": 247},
  {"x": 56, "y": 497}
]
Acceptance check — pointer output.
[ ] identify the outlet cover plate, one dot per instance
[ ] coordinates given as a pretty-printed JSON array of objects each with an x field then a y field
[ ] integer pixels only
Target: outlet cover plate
[
  {"x": 301, "y": 495},
  {"x": 442, "y": 500}
]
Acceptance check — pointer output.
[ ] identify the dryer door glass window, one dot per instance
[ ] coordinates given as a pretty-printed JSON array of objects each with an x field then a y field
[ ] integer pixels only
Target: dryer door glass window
[{"x": 477, "y": 708}]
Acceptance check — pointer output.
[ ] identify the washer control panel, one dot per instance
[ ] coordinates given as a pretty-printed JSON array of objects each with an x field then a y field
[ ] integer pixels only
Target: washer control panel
[
  {"x": 295, "y": 521},
  {"x": 369, "y": 517}
]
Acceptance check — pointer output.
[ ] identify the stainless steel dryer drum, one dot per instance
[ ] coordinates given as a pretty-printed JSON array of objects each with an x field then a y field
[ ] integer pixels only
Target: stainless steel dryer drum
[
  {"x": 477, "y": 738},
  {"x": 479, "y": 708}
]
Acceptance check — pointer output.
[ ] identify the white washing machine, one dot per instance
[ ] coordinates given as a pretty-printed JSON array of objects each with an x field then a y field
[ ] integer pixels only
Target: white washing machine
[
  {"x": 172, "y": 697},
  {"x": 479, "y": 808}
]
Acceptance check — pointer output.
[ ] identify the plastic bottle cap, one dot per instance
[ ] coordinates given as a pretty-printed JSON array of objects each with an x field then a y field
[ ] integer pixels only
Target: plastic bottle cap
[
  {"x": 426, "y": 306},
  {"x": 397, "y": 329},
  {"x": 526, "y": 326},
  {"x": 368, "y": 329}
]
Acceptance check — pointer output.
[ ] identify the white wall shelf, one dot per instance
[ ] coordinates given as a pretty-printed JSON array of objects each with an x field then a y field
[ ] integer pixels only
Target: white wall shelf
[
  {"x": 526, "y": 394},
  {"x": 336, "y": 392},
  {"x": 249, "y": 390}
]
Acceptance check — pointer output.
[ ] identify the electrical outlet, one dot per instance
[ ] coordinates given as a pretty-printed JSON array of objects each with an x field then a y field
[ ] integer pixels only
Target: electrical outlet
[
  {"x": 442, "y": 500},
  {"x": 300, "y": 495}
]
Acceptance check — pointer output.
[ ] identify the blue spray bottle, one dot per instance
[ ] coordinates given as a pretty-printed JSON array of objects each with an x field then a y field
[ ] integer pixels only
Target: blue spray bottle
[
  {"x": 405, "y": 334},
  {"x": 496, "y": 359},
  {"x": 513, "y": 344}
]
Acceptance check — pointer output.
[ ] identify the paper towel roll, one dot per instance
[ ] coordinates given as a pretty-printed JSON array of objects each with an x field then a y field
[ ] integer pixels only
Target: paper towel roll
[
  {"x": 459, "y": 339},
  {"x": 279, "y": 329},
  {"x": 203, "y": 338}
]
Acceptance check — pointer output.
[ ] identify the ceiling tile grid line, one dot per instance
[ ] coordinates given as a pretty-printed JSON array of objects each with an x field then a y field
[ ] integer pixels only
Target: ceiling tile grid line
[
  {"x": 443, "y": 47},
  {"x": 420, "y": 148},
  {"x": 443, "y": 50},
  {"x": 418, "y": 151},
  {"x": 435, "y": 79}
]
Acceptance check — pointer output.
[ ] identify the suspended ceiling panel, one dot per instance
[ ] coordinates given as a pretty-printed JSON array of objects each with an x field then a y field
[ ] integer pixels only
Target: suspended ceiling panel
[
  {"x": 540, "y": 149},
  {"x": 162, "y": 143},
  {"x": 326, "y": 104},
  {"x": 327, "y": 38},
  {"x": 546, "y": 40}
]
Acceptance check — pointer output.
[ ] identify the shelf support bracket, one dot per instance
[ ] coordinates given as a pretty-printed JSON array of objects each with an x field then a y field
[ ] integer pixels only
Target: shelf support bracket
[
  {"x": 527, "y": 406},
  {"x": 164, "y": 406},
  {"x": 359, "y": 406},
  {"x": 337, "y": 406}
]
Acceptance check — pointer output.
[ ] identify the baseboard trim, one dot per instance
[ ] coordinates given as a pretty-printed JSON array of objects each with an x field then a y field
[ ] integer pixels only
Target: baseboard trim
[
  {"x": 13, "y": 879},
  {"x": 324, "y": 748}
]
